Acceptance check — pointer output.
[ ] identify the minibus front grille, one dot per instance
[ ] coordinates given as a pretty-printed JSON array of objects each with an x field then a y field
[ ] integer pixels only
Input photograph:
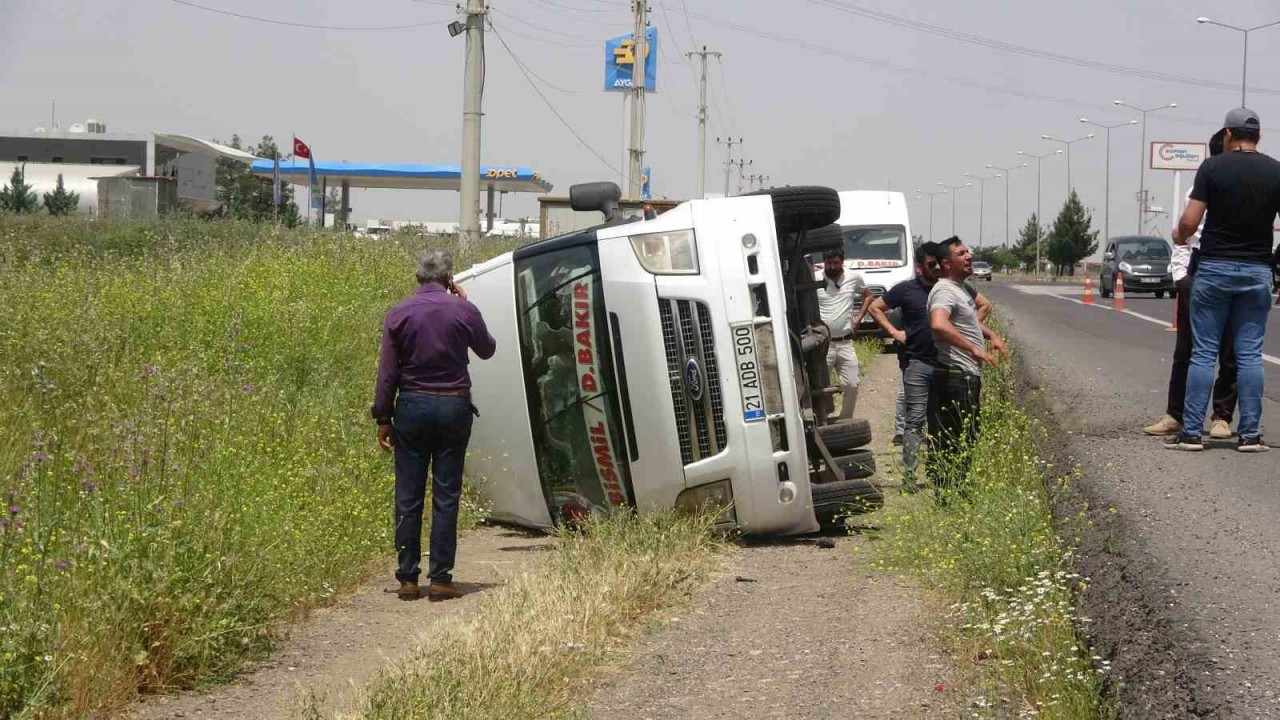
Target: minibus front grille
[{"x": 687, "y": 335}]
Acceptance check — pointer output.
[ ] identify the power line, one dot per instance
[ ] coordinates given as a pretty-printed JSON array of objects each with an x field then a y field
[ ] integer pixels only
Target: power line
[
  {"x": 893, "y": 67},
  {"x": 307, "y": 26},
  {"x": 724, "y": 89},
  {"x": 524, "y": 71},
  {"x": 687, "y": 25},
  {"x": 575, "y": 8},
  {"x": 553, "y": 9},
  {"x": 541, "y": 79},
  {"x": 583, "y": 40},
  {"x": 1002, "y": 46}
]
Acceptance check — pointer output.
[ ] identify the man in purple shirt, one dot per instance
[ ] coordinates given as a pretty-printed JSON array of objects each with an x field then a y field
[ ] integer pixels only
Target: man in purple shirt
[{"x": 423, "y": 407}]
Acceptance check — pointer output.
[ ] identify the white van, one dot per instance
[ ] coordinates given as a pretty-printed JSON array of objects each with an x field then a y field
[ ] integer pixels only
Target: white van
[
  {"x": 877, "y": 240},
  {"x": 672, "y": 362}
]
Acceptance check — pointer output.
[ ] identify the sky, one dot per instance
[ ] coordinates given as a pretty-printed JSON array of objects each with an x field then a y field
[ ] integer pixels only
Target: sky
[{"x": 819, "y": 94}]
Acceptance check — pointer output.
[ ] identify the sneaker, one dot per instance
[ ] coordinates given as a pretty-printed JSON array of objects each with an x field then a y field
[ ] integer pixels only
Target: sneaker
[
  {"x": 897, "y": 439},
  {"x": 1219, "y": 429},
  {"x": 1252, "y": 445},
  {"x": 1164, "y": 426},
  {"x": 1185, "y": 443}
]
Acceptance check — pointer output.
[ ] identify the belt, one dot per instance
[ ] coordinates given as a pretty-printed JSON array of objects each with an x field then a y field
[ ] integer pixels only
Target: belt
[
  {"x": 845, "y": 337},
  {"x": 461, "y": 392}
]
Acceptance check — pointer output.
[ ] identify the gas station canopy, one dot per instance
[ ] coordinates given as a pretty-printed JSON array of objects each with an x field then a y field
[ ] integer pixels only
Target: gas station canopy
[{"x": 403, "y": 176}]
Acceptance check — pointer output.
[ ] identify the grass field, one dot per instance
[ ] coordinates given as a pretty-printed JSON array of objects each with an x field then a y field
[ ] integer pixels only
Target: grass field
[
  {"x": 997, "y": 557},
  {"x": 186, "y": 458}
]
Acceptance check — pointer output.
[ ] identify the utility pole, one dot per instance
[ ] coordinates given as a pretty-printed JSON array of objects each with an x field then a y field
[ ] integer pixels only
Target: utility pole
[
  {"x": 702, "y": 120},
  {"x": 728, "y": 159},
  {"x": 741, "y": 165},
  {"x": 1006, "y": 171},
  {"x": 635, "y": 171},
  {"x": 473, "y": 91}
]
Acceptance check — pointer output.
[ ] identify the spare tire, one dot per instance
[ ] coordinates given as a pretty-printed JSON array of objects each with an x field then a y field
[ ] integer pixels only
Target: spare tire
[
  {"x": 804, "y": 207},
  {"x": 845, "y": 435},
  {"x": 857, "y": 464},
  {"x": 833, "y": 499},
  {"x": 822, "y": 240}
]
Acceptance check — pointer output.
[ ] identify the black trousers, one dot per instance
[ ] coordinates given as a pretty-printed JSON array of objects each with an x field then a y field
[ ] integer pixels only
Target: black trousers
[
  {"x": 1224, "y": 390},
  {"x": 955, "y": 406},
  {"x": 431, "y": 433}
]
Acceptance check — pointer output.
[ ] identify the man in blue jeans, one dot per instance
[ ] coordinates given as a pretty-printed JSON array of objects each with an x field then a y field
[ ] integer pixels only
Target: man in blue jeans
[
  {"x": 423, "y": 408},
  {"x": 1240, "y": 189}
]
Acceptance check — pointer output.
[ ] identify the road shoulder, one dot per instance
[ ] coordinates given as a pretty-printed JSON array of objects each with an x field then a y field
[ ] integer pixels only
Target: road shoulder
[{"x": 797, "y": 631}]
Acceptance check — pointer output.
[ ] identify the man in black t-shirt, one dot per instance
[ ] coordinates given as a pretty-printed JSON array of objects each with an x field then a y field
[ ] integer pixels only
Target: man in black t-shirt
[
  {"x": 917, "y": 356},
  {"x": 1240, "y": 190}
]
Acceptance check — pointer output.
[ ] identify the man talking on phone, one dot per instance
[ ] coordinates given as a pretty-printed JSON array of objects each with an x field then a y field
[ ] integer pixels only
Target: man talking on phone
[{"x": 423, "y": 407}]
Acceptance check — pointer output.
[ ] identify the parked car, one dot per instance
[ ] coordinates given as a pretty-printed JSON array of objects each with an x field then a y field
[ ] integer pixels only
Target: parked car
[
  {"x": 981, "y": 270},
  {"x": 1142, "y": 260},
  {"x": 678, "y": 362}
]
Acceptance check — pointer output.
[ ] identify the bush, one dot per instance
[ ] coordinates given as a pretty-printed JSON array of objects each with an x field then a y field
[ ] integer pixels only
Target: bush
[{"x": 186, "y": 456}]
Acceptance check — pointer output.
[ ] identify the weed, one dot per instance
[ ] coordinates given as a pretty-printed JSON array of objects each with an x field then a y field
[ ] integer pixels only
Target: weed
[
  {"x": 996, "y": 555},
  {"x": 186, "y": 457}
]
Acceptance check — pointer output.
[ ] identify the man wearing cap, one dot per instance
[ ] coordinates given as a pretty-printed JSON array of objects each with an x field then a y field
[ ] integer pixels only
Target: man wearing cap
[
  {"x": 1240, "y": 190},
  {"x": 836, "y": 301}
]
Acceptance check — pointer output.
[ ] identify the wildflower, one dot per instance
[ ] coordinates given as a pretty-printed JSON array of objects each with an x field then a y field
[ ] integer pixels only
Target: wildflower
[
  {"x": 90, "y": 486},
  {"x": 148, "y": 371},
  {"x": 41, "y": 457},
  {"x": 62, "y": 564},
  {"x": 248, "y": 387},
  {"x": 14, "y": 509}
]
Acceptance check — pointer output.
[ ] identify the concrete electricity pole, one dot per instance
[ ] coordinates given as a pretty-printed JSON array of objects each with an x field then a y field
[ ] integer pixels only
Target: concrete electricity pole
[
  {"x": 741, "y": 164},
  {"x": 728, "y": 159},
  {"x": 635, "y": 170},
  {"x": 702, "y": 120},
  {"x": 1006, "y": 171},
  {"x": 473, "y": 90}
]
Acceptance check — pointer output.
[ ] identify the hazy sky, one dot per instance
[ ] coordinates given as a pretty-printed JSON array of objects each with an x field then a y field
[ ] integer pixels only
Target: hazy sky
[{"x": 896, "y": 107}]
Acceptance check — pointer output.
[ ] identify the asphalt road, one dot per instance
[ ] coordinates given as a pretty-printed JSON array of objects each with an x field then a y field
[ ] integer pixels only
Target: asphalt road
[{"x": 1192, "y": 606}]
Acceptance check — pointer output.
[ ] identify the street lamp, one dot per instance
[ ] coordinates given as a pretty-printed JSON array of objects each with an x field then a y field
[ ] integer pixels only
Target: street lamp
[
  {"x": 1244, "y": 65},
  {"x": 1039, "y": 209},
  {"x": 1068, "y": 143},
  {"x": 930, "y": 195},
  {"x": 955, "y": 190},
  {"x": 982, "y": 203},
  {"x": 1142, "y": 165},
  {"x": 1006, "y": 171},
  {"x": 1108, "y": 128}
]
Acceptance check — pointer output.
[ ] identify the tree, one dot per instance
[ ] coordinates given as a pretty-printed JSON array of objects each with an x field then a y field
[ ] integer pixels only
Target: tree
[
  {"x": 17, "y": 196},
  {"x": 1029, "y": 237},
  {"x": 247, "y": 196},
  {"x": 61, "y": 202},
  {"x": 1072, "y": 238}
]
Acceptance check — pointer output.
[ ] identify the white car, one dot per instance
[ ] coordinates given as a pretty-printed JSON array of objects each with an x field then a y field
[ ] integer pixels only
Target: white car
[
  {"x": 662, "y": 363},
  {"x": 981, "y": 270}
]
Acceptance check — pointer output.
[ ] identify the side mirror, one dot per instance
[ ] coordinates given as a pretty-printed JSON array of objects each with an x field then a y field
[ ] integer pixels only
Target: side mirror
[
  {"x": 1109, "y": 256},
  {"x": 602, "y": 196}
]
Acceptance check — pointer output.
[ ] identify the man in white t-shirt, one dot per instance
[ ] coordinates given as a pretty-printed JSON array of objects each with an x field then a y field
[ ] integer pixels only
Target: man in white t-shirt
[{"x": 836, "y": 302}]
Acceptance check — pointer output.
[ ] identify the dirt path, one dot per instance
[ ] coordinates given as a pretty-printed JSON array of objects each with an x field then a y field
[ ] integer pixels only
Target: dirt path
[
  {"x": 795, "y": 631},
  {"x": 340, "y": 647}
]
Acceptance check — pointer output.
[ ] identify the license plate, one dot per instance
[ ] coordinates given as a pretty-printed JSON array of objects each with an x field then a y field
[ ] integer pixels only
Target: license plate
[
  {"x": 749, "y": 385},
  {"x": 1150, "y": 281}
]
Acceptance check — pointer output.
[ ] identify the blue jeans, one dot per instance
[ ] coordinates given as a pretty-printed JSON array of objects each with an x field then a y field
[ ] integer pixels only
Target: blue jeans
[
  {"x": 1226, "y": 295},
  {"x": 429, "y": 430},
  {"x": 917, "y": 379}
]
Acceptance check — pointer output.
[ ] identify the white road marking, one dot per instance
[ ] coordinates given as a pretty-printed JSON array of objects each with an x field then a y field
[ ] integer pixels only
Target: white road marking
[{"x": 1265, "y": 357}]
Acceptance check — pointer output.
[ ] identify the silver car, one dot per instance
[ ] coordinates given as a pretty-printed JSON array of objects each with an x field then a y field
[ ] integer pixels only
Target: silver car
[{"x": 981, "y": 270}]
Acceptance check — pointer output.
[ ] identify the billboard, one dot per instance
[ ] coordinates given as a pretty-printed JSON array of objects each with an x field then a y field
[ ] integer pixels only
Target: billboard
[
  {"x": 1177, "y": 155},
  {"x": 619, "y": 62}
]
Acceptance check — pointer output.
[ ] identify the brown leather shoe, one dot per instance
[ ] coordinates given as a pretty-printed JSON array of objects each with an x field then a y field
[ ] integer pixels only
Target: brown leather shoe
[
  {"x": 443, "y": 591},
  {"x": 408, "y": 591}
]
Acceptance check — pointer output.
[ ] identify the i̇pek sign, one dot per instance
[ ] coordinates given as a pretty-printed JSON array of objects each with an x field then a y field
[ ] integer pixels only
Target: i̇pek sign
[{"x": 1178, "y": 155}]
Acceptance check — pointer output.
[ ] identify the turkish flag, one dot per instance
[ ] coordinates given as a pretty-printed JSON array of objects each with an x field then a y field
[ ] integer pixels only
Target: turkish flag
[{"x": 301, "y": 149}]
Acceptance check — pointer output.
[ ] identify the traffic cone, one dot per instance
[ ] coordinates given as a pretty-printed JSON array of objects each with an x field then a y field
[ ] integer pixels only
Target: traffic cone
[
  {"x": 1173, "y": 326},
  {"x": 1088, "y": 291},
  {"x": 1119, "y": 302}
]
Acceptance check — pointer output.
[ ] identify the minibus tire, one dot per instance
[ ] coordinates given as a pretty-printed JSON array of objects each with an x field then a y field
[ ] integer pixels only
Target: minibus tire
[
  {"x": 845, "y": 435},
  {"x": 804, "y": 207},
  {"x": 822, "y": 240},
  {"x": 857, "y": 464},
  {"x": 846, "y": 496}
]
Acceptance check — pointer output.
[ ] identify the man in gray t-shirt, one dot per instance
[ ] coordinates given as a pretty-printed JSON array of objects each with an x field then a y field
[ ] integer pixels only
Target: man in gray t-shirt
[{"x": 961, "y": 341}]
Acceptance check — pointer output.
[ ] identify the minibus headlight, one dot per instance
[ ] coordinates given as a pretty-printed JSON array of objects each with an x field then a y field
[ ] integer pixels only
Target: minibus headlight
[
  {"x": 667, "y": 253},
  {"x": 1126, "y": 268},
  {"x": 715, "y": 498}
]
